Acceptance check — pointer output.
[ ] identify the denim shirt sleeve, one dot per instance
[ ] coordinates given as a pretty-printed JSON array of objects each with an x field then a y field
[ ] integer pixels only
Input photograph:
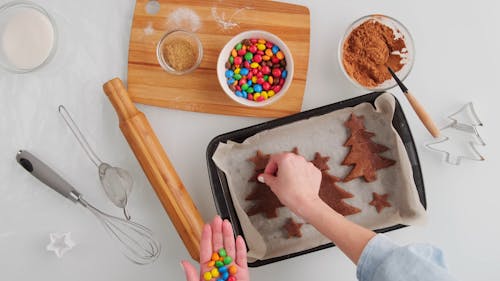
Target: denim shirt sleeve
[{"x": 383, "y": 260}]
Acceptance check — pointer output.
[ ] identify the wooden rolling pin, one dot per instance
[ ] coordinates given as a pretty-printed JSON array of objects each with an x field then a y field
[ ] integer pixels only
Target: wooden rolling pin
[{"x": 157, "y": 167}]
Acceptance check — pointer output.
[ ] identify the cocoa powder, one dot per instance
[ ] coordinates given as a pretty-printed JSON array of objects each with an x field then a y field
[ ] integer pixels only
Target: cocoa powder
[{"x": 369, "y": 50}]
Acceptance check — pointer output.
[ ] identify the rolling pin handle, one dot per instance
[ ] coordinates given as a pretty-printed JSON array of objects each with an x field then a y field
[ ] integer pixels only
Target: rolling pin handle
[{"x": 118, "y": 95}]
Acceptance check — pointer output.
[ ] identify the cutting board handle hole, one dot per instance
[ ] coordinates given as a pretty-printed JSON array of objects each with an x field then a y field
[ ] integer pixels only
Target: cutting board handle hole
[{"x": 152, "y": 7}]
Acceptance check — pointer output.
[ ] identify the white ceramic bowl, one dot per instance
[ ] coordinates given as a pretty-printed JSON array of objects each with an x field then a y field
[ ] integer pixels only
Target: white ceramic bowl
[{"x": 226, "y": 52}]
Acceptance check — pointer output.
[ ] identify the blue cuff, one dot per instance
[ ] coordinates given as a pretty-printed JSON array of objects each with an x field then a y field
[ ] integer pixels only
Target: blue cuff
[{"x": 374, "y": 253}]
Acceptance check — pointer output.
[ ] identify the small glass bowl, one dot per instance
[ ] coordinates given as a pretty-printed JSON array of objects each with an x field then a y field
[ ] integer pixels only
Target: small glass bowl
[
  {"x": 6, "y": 11},
  {"x": 169, "y": 38},
  {"x": 400, "y": 31}
]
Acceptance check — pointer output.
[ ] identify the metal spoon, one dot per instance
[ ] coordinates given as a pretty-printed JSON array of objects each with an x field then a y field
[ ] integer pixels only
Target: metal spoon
[{"x": 116, "y": 182}]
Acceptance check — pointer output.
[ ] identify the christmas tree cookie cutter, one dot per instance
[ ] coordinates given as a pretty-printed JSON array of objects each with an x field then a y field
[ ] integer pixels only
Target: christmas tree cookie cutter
[{"x": 460, "y": 138}]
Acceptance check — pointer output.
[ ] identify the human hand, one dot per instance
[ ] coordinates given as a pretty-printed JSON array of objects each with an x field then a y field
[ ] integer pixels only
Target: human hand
[
  {"x": 219, "y": 234},
  {"x": 294, "y": 180}
]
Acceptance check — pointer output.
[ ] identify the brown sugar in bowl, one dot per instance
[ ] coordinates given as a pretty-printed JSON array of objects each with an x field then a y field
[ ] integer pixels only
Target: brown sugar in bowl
[{"x": 179, "y": 52}]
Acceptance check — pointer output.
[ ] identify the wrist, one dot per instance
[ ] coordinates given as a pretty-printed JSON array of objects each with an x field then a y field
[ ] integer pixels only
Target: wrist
[{"x": 311, "y": 208}]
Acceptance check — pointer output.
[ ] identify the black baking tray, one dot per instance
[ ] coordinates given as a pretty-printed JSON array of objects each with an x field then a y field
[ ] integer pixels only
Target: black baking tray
[{"x": 220, "y": 189}]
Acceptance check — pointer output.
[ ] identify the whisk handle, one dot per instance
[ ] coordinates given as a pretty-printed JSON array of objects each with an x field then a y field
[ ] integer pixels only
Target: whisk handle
[{"x": 46, "y": 175}]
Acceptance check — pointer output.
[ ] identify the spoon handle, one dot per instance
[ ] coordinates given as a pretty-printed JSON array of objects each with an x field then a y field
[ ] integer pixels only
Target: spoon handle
[
  {"x": 423, "y": 115},
  {"x": 79, "y": 136},
  {"x": 45, "y": 174}
]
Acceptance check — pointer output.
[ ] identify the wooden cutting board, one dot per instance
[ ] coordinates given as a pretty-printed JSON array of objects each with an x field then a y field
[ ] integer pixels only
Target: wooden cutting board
[{"x": 200, "y": 91}]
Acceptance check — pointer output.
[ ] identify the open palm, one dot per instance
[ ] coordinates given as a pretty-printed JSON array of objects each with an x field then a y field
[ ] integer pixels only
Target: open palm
[{"x": 219, "y": 234}]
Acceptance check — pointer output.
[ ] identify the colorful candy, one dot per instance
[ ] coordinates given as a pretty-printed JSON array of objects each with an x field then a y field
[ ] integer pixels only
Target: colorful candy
[
  {"x": 222, "y": 252},
  {"x": 237, "y": 60},
  {"x": 257, "y": 87},
  {"x": 223, "y": 270},
  {"x": 227, "y": 260},
  {"x": 244, "y": 71},
  {"x": 266, "y": 69},
  {"x": 255, "y": 70},
  {"x": 207, "y": 275},
  {"x": 276, "y": 73},
  {"x": 233, "y": 269},
  {"x": 215, "y": 273}
]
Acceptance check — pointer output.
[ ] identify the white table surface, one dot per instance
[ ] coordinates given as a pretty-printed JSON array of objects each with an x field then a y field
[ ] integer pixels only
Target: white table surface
[{"x": 458, "y": 60}]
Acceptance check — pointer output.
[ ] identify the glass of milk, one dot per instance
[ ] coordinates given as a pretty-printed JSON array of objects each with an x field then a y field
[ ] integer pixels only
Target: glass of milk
[{"x": 28, "y": 36}]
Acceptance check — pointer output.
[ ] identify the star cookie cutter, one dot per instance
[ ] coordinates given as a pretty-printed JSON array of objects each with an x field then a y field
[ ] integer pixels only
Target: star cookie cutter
[
  {"x": 463, "y": 133},
  {"x": 60, "y": 243}
]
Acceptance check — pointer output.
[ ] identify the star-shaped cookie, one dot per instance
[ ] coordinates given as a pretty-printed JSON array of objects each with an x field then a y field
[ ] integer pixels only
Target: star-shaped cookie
[
  {"x": 293, "y": 228},
  {"x": 380, "y": 201}
]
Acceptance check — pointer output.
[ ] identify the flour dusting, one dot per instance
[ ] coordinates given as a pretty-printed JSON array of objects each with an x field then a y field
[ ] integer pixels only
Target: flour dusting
[
  {"x": 152, "y": 7},
  {"x": 229, "y": 23},
  {"x": 149, "y": 30},
  {"x": 184, "y": 18}
]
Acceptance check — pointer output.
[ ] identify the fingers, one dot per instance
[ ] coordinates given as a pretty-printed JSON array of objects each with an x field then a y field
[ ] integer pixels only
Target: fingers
[
  {"x": 217, "y": 238},
  {"x": 241, "y": 252},
  {"x": 269, "y": 175},
  {"x": 278, "y": 160},
  {"x": 268, "y": 179},
  {"x": 222, "y": 236},
  {"x": 227, "y": 233},
  {"x": 206, "y": 244},
  {"x": 190, "y": 271},
  {"x": 272, "y": 165}
]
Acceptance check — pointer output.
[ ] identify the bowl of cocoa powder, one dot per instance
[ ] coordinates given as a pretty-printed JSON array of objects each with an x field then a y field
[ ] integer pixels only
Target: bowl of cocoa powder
[{"x": 370, "y": 45}]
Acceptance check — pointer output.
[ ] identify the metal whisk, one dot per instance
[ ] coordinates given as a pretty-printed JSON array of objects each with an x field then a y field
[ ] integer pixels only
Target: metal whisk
[{"x": 135, "y": 240}]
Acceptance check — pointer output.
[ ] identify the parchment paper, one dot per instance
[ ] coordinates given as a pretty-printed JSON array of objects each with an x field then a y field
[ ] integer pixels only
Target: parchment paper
[{"x": 325, "y": 134}]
